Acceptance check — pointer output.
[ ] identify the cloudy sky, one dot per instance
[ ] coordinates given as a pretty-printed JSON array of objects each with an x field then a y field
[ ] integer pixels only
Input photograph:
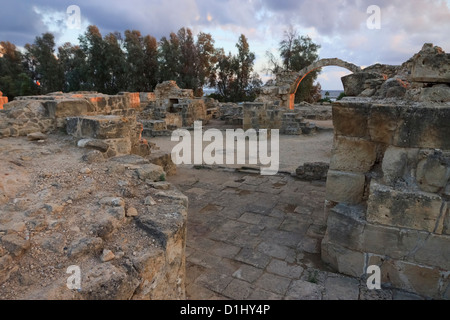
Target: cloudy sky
[{"x": 341, "y": 27}]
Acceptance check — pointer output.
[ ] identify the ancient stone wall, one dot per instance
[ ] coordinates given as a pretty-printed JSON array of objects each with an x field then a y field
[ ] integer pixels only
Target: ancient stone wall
[
  {"x": 258, "y": 115},
  {"x": 50, "y": 112},
  {"x": 388, "y": 187},
  {"x": 174, "y": 106}
]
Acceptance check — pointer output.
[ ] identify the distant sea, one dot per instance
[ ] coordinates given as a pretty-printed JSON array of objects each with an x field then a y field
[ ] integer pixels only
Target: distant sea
[{"x": 333, "y": 94}]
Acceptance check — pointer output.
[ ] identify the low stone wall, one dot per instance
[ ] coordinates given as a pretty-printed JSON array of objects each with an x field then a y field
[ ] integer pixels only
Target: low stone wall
[
  {"x": 257, "y": 115},
  {"x": 50, "y": 112},
  {"x": 388, "y": 194}
]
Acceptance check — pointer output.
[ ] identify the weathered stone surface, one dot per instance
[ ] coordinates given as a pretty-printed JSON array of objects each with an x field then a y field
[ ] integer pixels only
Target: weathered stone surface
[
  {"x": 99, "y": 127},
  {"x": 433, "y": 172},
  {"x": 341, "y": 288},
  {"x": 354, "y": 83},
  {"x": 93, "y": 156},
  {"x": 434, "y": 251},
  {"x": 353, "y": 155},
  {"x": 398, "y": 163},
  {"x": 346, "y": 187},
  {"x": 415, "y": 210},
  {"x": 346, "y": 261},
  {"x": 304, "y": 290},
  {"x": 345, "y": 227},
  {"x": 410, "y": 277},
  {"x": 15, "y": 244},
  {"x": 424, "y": 127},
  {"x": 437, "y": 93},
  {"x": 431, "y": 64},
  {"x": 313, "y": 171},
  {"x": 150, "y": 171},
  {"x": 350, "y": 119},
  {"x": 132, "y": 212},
  {"x": 83, "y": 246},
  {"x": 392, "y": 88},
  {"x": 108, "y": 282},
  {"x": 6, "y": 262},
  {"x": 107, "y": 255},
  {"x": 112, "y": 202},
  {"x": 93, "y": 144},
  {"x": 68, "y": 108},
  {"x": 383, "y": 123},
  {"x": 37, "y": 136},
  {"x": 174, "y": 195}
]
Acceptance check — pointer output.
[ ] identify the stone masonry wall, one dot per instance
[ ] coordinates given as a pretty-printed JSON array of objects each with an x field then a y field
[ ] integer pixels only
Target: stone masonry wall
[{"x": 388, "y": 194}]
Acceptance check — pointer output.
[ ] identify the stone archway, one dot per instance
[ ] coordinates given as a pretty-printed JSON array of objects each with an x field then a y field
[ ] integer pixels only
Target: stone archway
[{"x": 287, "y": 82}]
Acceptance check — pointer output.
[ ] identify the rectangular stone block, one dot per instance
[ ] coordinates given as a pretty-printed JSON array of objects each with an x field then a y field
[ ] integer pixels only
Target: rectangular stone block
[
  {"x": 351, "y": 119},
  {"x": 424, "y": 127},
  {"x": 398, "y": 164},
  {"x": 414, "y": 210},
  {"x": 353, "y": 155},
  {"x": 344, "y": 260},
  {"x": 425, "y": 281},
  {"x": 383, "y": 123},
  {"x": 68, "y": 108},
  {"x": 434, "y": 251},
  {"x": 433, "y": 68},
  {"x": 345, "y": 187},
  {"x": 100, "y": 127},
  {"x": 345, "y": 226}
]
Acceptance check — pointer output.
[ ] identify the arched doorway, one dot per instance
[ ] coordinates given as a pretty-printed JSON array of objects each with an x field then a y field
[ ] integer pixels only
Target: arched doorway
[{"x": 317, "y": 65}]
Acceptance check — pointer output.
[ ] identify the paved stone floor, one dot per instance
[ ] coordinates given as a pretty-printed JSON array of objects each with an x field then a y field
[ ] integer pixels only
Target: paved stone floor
[{"x": 255, "y": 237}]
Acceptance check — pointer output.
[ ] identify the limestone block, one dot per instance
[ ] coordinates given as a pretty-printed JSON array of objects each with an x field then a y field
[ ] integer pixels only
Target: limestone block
[
  {"x": 390, "y": 241},
  {"x": 438, "y": 93},
  {"x": 346, "y": 187},
  {"x": 119, "y": 146},
  {"x": 353, "y": 155},
  {"x": 150, "y": 171},
  {"x": 351, "y": 119},
  {"x": 383, "y": 123},
  {"x": 346, "y": 261},
  {"x": 69, "y": 108},
  {"x": 397, "y": 164},
  {"x": 344, "y": 228},
  {"x": 414, "y": 210},
  {"x": 433, "y": 172},
  {"x": 410, "y": 277},
  {"x": 424, "y": 127},
  {"x": 354, "y": 83},
  {"x": 392, "y": 88},
  {"x": 434, "y": 251},
  {"x": 164, "y": 222},
  {"x": 431, "y": 68},
  {"x": 99, "y": 127}
]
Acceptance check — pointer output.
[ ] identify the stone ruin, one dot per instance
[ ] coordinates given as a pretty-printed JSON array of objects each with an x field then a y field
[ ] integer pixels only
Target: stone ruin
[
  {"x": 388, "y": 187},
  {"x": 388, "y": 183},
  {"x": 169, "y": 108},
  {"x": 129, "y": 199}
]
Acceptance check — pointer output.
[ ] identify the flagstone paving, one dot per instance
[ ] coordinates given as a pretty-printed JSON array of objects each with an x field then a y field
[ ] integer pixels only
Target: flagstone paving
[{"x": 252, "y": 237}]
